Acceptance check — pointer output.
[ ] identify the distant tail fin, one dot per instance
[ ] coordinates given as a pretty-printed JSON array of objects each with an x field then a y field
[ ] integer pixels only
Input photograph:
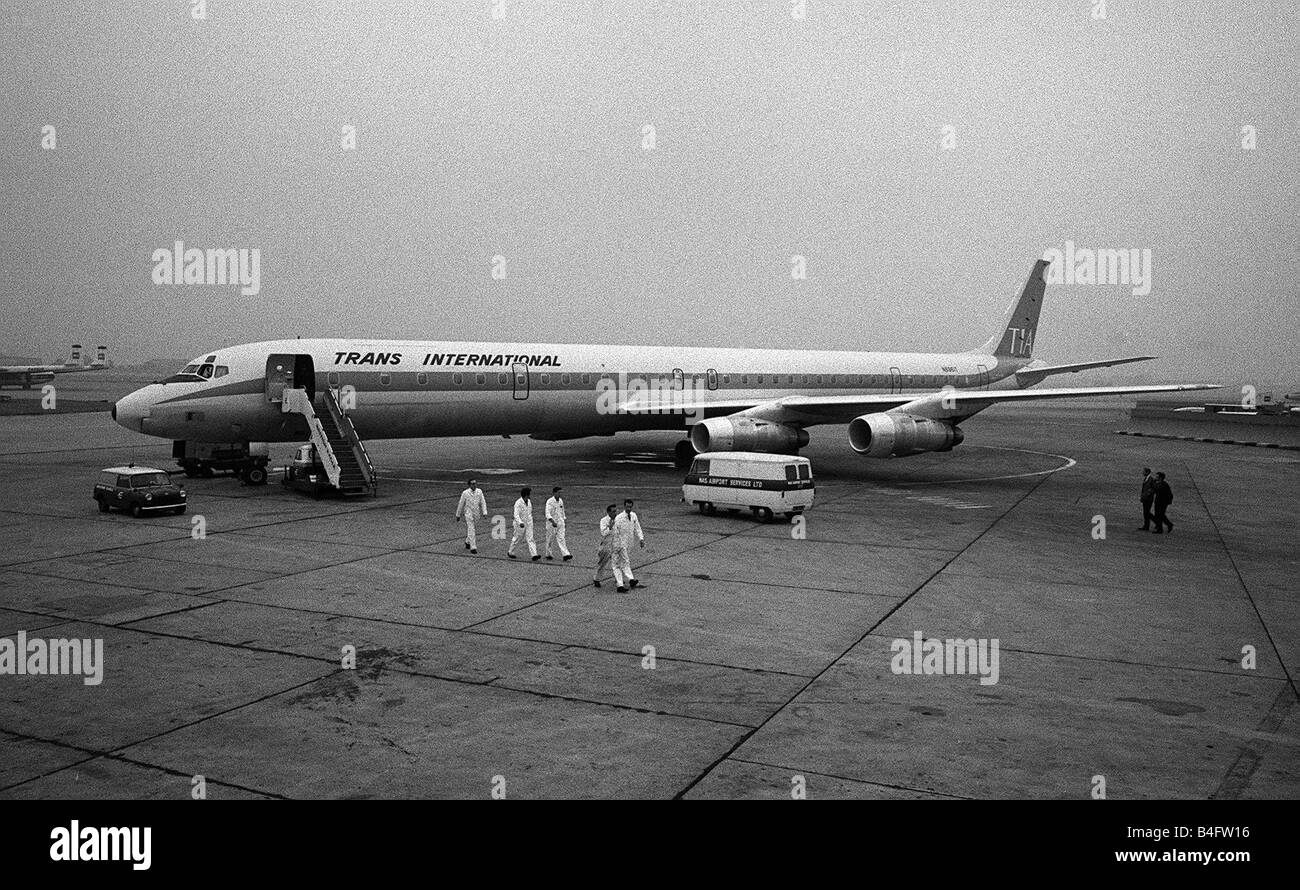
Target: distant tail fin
[
  {"x": 1016, "y": 338},
  {"x": 75, "y": 357},
  {"x": 101, "y": 355}
]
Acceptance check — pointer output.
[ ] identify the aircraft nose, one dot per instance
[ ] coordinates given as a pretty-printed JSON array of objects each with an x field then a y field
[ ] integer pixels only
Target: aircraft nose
[{"x": 130, "y": 410}]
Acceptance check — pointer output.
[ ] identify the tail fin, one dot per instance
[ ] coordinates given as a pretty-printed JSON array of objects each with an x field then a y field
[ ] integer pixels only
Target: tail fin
[
  {"x": 1016, "y": 338},
  {"x": 75, "y": 358},
  {"x": 101, "y": 356}
]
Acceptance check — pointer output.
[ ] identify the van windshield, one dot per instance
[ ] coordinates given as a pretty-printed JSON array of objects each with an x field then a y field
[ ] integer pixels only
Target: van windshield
[{"x": 149, "y": 480}]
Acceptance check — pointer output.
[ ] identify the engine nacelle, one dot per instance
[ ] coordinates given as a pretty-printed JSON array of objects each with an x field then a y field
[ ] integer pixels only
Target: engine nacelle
[
  {"x": 898, "y": 435},
  {"x": 743, "y": 434}
]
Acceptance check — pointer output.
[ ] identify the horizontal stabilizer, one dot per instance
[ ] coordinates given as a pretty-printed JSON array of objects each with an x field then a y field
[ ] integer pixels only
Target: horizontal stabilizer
[{"x": 1036, "y": 373}]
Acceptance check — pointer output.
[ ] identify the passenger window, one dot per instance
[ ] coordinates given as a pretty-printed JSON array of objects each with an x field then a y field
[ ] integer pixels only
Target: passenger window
[
  {"x": 457, "y": 379},
  {"x": 333, "y": 378},
  {"x": 564, "y": 379},
  {"x": 480, "y": 379},
  {"x": 726, "y": 378},
  {"x": 805, "y": 471},
  {"x": 385, "y": 378},
  {"x": 791, "y": 474},
  {"x": 744, "y": 378},
  {"x": 546, "y": 379},
  {"x": 221, "y": 371},
  {"x": 586, "y": 378},
  {"x": 792, "y": 378},
  {"x": 819, "y": 378},
  {"x": 679, "y": 379},
  {"x": 711, "y": 378},
  {"x": 422, "y": 379},
  {"x": 503, "y": 379}
]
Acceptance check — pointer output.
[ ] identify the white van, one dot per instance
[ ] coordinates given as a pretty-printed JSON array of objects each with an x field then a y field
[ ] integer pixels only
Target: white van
[{"x": 765, "y": 484}]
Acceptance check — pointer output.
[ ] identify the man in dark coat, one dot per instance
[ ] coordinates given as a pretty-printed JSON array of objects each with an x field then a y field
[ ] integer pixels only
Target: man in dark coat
[
  {"x": 1148, "y": 495},
  {"x": 1164, "y": 496}
]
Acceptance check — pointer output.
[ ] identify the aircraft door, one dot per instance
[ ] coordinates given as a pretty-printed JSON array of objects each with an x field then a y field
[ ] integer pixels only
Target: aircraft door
[
  {"x": 289, "y": 372},
  {"x": 519, "y": 371},
  {"x": 895, "y": 380},
  {"x": 982, "y": 381}
]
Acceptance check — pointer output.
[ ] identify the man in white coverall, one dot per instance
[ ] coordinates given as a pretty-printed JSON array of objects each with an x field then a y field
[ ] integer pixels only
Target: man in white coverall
[
  {"x": 605, "y": 553},
  {"x": 627, "y": 527},
  {"x": 472, "y": 505},
  {"x": 555, "y": 525},
  {"x": 523, "y": 525}
]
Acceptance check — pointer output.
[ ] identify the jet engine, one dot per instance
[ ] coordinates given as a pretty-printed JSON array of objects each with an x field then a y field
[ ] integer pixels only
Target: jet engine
[
  {"x": 744, "y": 434},
  {"x": 898, "y": 435}
]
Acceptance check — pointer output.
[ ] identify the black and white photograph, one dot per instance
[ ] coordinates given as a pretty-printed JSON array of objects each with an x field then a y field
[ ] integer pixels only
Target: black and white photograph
[{"x": 650, "y": 400}]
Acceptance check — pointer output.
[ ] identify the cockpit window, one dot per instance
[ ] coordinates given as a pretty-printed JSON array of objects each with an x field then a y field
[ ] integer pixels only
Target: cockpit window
[{"x": 197, "y": 372}]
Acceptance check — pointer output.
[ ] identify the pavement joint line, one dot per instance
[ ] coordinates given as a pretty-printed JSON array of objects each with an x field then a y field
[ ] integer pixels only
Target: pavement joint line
[
  {"x": 141, "y": 590},
  {"x": 120, "y": 748},
  {"x": 195, "y": 607},
  {"x": 1242, "y": 770},
  {"x": 1242, "y": 581},
  {"x": 101, "y": 755},
  {"x": 561, "y": 646},
  {"x": 813, "y": 772},
  {"x": 659, "y": 573},
  {"x": 1033, "y": 488},
  {"x": 640, "y": 709}
]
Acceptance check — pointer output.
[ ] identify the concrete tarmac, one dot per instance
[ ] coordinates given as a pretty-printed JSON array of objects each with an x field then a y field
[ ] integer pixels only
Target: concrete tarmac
[{"x": 1120, "y": 657}]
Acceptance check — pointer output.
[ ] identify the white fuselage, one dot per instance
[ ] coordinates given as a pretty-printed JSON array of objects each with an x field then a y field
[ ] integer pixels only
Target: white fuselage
[{"x": 415, "y": 389}]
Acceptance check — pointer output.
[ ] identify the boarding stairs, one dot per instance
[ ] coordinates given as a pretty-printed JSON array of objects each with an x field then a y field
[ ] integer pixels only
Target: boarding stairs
[{"x": 340, "y": 449}]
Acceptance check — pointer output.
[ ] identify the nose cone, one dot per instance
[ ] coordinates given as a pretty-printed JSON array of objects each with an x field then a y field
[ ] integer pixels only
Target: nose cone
[{"x": 131, "y": 410}]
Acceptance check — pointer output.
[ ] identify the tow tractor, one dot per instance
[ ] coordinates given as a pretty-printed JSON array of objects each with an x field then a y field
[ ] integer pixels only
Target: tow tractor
[{"x": 247, "y": 460}]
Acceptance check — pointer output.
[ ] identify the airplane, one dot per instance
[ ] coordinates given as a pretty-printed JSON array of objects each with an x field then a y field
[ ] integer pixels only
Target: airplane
[
  {"x": 723, "y": 399},
  {"x": 26, "y": 375}
]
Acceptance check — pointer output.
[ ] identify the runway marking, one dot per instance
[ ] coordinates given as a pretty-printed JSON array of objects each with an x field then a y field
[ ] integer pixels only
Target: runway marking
[{"x": 1069, "y": 462}]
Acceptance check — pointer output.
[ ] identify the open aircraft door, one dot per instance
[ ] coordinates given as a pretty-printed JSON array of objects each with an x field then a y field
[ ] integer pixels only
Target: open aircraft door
[
  {"x": 895, "y": 380},
  {"x": 289, "y": 372},
  {"x": 982, "y": 382}
]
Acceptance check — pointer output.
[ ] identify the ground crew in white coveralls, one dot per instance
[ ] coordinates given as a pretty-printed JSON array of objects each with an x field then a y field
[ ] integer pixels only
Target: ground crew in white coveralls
[
  {"x": 472, "y": 505},
  {"x": 555, "y": 525},
  {"x": 627, "y": 527},
  {"x": 605, "y": 552},
  {"x": 524, "y": 525}
]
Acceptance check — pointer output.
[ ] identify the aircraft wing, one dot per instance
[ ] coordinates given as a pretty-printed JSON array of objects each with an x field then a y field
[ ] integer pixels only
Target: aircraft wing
[{"x": 810, "y": 410}]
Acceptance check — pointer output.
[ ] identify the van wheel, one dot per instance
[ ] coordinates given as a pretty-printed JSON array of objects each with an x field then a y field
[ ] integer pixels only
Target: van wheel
[
  {"x": 103, "y": 506},
  {"x": 137, "y": 511},
  {"x": 256, "y": 476},
  {"x": 704, "y": 508}
]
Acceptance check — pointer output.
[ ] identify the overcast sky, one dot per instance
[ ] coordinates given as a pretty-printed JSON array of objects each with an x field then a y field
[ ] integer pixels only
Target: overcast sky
[{"x": 774, "y": 136}]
